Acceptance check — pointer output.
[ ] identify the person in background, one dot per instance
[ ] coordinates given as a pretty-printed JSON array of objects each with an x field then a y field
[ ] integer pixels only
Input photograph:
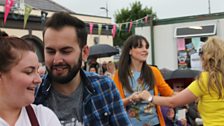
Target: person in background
[
  {"x": 18, "y": 79},
  {"x": 41, "y": 69},
  {"x": 93, "y": 62},
  {"x": 77, "y": 97},
  {"x": 133, "y": 77},
  {"x": 93, "y": 69},
  {"x": 208, "y": 88},
  {"x": 171, "y": 114},
  {"x": 170, "y": 118},
  {"x": 104, "y": 67},
  {"x": 110, "y": 69}
]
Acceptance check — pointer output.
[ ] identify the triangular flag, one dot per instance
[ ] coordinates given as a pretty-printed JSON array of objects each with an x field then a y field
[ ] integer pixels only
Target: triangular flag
[
  {"x": 28, "y": 10},
  {"x": 90, "y": 28},
  {"x": 114, "y": 30},
  {"x": 99, "y": 29},
  {"x": 146, "y": 19},
  {"x": 8, "y": 5},
  {"x": 120, "y": 28},
  {"x": 130, "y": 26}
]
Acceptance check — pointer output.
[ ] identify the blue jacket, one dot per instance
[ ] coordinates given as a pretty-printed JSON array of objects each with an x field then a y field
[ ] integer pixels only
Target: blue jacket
[{"x": 102, "y": 105}]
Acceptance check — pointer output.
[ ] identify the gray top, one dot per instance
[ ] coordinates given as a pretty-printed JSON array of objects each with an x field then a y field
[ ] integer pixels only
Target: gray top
[{"x": 68, "y": 108}]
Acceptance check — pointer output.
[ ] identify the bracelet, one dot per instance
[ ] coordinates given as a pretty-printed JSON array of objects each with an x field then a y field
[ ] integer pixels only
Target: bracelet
[{"x": 150, "y": 99}]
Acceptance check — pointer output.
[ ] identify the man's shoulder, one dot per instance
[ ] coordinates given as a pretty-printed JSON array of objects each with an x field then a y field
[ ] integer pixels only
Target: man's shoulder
[{"x": 97, "y": 80}]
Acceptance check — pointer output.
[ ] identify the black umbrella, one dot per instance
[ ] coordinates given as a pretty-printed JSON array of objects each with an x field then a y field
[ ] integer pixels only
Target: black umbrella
[
  {"x": 180, "y": 76},
  {"x": 184, "y": 74},
  {"x": 166, "y": 73},
  {"x": 102, "y": 50}
]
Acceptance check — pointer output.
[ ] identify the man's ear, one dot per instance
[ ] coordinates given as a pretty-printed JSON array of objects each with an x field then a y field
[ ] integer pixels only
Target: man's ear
[{"x": 85, "y": 53}]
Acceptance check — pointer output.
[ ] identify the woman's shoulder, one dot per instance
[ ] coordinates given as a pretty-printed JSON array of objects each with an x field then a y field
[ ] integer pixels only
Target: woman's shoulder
[
  {"x": 45, "y": 115},
  {"x": 154, "y": 69},
  {"x": 40, "y": 108}
]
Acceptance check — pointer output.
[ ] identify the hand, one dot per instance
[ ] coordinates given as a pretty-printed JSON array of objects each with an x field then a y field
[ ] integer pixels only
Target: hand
[
  {"x": 144, "y": 95},
  {"x": 183, "y": 122},
  {"x": 134, "y": 97}
]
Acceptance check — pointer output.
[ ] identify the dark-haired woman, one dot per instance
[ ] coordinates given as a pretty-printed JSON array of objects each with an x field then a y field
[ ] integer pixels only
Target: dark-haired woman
[{"x": 135, "y": 77}]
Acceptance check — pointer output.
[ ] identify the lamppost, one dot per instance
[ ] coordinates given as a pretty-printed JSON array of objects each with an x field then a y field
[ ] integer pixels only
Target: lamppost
[
  {"x": 106, "y": 9},
  {"x": 209, "y": 7}
]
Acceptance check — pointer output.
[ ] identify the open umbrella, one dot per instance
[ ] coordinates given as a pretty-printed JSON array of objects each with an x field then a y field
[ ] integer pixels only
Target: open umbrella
[
  {"x": 180, "y": 76},
  {"x": 166, "y": 73},
  {"x": 102, "y": 50},
  {"x": 184, "y": 74}
]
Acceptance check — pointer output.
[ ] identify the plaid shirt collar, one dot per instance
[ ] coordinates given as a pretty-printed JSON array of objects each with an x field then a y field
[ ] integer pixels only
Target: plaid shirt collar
[{"x": 43, "y": 91}]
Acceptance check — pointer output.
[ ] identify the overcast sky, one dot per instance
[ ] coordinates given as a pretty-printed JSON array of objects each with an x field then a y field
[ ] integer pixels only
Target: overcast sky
[{"x": 163, "y": 8}]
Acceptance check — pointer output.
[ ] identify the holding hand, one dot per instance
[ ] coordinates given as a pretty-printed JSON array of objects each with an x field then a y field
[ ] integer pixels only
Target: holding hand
[
  {"x": 145, "y": 96},
  {"x": 134, "y": 98}
]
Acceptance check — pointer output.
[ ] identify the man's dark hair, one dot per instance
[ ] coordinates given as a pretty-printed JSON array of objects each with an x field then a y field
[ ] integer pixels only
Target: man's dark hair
[{"x": 61, "y": 19}]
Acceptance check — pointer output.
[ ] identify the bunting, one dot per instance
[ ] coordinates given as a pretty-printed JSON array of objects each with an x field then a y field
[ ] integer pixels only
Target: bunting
[
  {"x": 130, "y": 26},
  {"x": 146, "y": 19},
  {"x": 114, "y": 30},
  {"x": 8, "y": 5},
  {"x": 28, "y": 10},
  {"x": 99, "y": 29},
  {"x": 90, "y": 28}
]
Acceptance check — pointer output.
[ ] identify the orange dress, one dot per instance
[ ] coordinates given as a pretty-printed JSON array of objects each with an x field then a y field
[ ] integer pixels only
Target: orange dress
[{"x": 160, "y": 87}]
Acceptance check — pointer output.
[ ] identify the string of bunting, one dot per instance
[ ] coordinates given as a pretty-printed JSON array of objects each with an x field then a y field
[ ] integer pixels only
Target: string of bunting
[
  {"x": 126, "y": 26},
  {"x": 18, "y": 8},
  {"x": 21, "y": 8}
]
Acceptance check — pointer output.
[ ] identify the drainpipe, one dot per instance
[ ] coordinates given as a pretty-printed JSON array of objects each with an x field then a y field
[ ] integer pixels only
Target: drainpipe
[{"x": 152, "y": 40}]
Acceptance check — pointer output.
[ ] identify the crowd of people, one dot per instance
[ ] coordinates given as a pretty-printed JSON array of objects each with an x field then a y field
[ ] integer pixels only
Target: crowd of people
[{"x": 134, "y": 93}]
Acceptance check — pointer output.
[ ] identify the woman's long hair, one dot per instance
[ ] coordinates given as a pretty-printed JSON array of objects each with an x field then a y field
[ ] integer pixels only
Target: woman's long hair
[
  {"x": 212, "y": 56},
  {"x": 146, "y": 76}
]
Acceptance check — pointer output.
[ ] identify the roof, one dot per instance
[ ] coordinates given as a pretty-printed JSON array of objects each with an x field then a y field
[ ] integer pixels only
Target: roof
[
  {"x": 47, "y": 5},
  {"x": 202, "y": 17}
]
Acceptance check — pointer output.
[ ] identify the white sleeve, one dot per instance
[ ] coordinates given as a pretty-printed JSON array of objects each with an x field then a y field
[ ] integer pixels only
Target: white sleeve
[{"x": 45, "y": 116}]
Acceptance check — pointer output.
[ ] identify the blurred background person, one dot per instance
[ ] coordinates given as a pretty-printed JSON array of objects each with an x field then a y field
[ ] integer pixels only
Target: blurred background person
[
  {"x": 110, "y": 69},
  {"x": 133, "y": 77},
  {"x": 93, "y": 69},
  {"x": 104, "y": 67},
  {"x": 41, "y": 69}
]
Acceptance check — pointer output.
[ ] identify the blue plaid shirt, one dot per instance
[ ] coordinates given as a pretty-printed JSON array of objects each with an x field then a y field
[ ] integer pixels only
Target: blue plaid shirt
[{"x": 102, "y": 104}]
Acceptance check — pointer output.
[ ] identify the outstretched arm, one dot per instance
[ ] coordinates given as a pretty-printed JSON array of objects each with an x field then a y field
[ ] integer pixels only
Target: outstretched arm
[{"x": 182, "y": 98}]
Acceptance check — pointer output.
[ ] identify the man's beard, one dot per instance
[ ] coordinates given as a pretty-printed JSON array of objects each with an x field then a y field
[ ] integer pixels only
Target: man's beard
[{"x": 72, "y": 72}]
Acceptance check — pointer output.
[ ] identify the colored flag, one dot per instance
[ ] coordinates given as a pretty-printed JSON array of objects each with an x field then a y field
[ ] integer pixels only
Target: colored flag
[
  {"x": 99, "y": 29},
  {"x": 8, "y": 5},
  {"x": 90, "y": 28},
  {"x": 114, "y": 30},
  {"x": 130, "y": 26},
  {"x": 146, "y": 19},
  {"x": 28, "y": 10}
]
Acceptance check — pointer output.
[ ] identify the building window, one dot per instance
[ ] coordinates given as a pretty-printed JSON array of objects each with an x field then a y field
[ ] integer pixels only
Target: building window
[{"x": 190, "y": 31}]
